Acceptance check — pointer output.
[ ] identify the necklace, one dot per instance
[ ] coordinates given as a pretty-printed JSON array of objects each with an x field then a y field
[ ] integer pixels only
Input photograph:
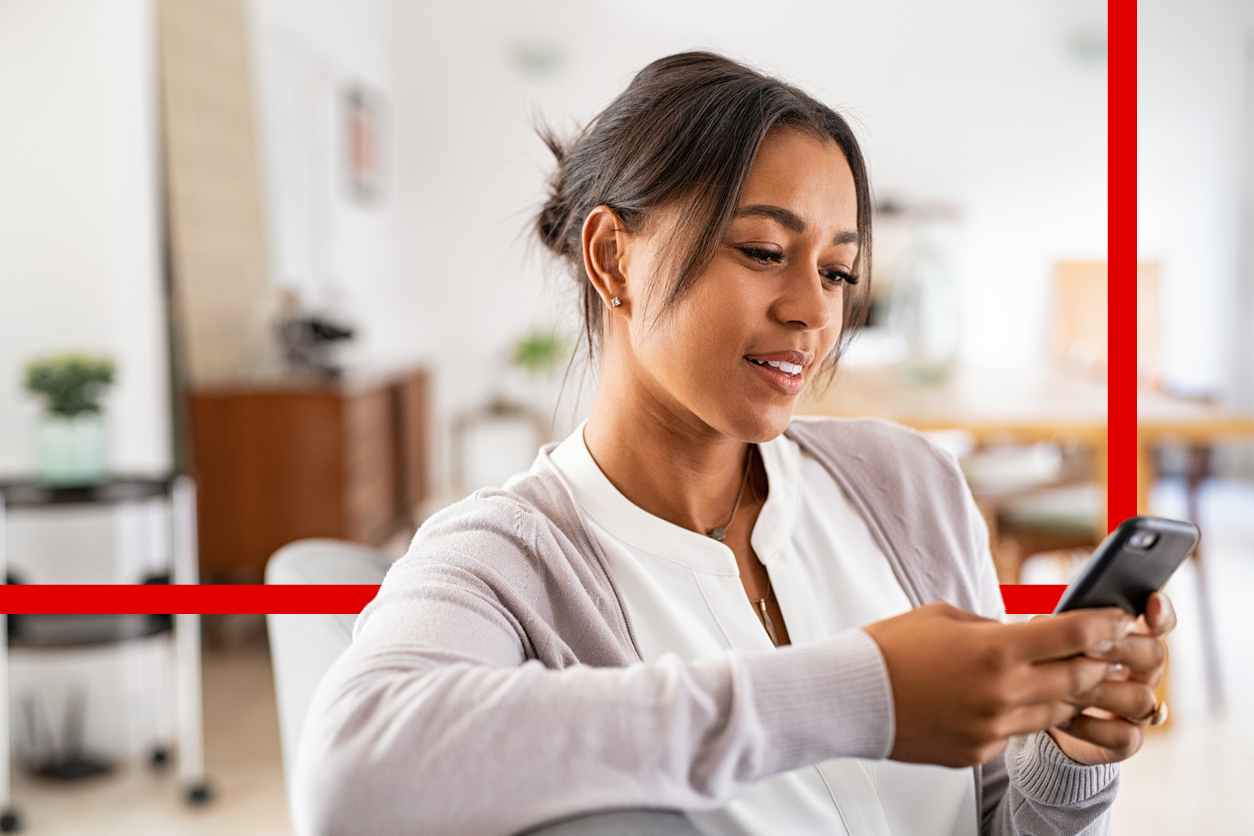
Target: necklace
[
  {"x": 766, "y": 616},
  {"x": 719, "y": 532}
]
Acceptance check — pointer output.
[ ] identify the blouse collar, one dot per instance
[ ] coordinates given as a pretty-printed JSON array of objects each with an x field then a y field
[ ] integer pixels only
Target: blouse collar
[{"x": 629, "y": 523}]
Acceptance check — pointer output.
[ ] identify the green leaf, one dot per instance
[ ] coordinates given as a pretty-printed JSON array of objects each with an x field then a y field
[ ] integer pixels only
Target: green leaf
[
  {"x": 539, "y": 352},
  {"x": 71, "y": 384}
]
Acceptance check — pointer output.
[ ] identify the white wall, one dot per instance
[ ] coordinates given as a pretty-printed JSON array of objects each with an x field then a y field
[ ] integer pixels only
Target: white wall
[
  {"x": 976, "y": 104},
  {"x": 340, "y": 252},
  {"x": 79, "y": 223},
  {"x": 80, "y": 269},
  {"x": 471, "y": 174},
  {"x": 1191, "y": 162}
]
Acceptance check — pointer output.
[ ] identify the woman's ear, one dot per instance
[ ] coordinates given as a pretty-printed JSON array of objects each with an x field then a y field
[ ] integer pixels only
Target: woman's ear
[{"x": 605, "y": 244}]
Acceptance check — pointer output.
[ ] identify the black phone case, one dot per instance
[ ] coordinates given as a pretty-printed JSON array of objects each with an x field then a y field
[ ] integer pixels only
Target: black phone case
[{"x": 1124, "y": 576}]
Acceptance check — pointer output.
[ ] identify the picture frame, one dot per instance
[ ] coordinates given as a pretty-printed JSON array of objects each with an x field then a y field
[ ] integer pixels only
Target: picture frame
[{"x": 363, "y": 116}]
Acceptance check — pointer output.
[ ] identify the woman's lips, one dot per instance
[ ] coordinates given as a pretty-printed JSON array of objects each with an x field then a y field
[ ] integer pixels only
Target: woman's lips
[
  {"x": 790, "y": 356},
  {"x": 785, "y": 384}
]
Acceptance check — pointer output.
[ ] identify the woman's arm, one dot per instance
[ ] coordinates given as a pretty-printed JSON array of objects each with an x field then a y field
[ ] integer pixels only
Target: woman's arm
[
  {"x": 435, "y": 722},
  {"x": 1032, "y": 787},
  {"x": 948, "y": 709}
]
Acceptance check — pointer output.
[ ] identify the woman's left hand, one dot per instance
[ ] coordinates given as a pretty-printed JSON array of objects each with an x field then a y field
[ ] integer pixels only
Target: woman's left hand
[{"x": 1116, "y": 712}]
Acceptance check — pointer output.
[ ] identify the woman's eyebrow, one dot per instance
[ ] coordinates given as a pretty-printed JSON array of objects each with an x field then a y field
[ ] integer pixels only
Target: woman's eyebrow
[
  {"x": 789, "y": 220},
  {"x": 786, "y": 218}
]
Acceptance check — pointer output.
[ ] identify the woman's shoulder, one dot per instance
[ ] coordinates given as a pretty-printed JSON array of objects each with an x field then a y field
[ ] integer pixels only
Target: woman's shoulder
[
  {"x": 482, "y": 544},
  {"x": 915, "y": 501},
  {"x": 530, "y": 520},
  {"x": 523, "y": 550},
  {"x": 884, "y": 446},
  {"x": 533, "y": 510}
]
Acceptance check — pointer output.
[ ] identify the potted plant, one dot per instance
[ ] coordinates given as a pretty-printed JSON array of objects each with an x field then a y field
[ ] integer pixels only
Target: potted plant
[
  {"x": 71, "y": 446},
  {"x": 498, "y": 439},
  {"x": 539, "y": 353}
]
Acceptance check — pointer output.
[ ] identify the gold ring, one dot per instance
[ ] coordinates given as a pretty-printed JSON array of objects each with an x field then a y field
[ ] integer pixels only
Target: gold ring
[{"x": 1159, "y": 715}]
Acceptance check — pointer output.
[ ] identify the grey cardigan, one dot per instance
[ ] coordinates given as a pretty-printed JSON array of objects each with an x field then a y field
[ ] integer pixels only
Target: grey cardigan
[{"x": 495, "y": 684}]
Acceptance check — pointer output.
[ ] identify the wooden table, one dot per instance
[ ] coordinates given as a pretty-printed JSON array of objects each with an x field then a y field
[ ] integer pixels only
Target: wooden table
[
  {"x": 992, "y": 404},
  {"x": 1195, "y": 424},
  {"x": 1005, "y": 406},
  {"x": 1199, "y": 426},
  {"x": 995, "y": 406}
]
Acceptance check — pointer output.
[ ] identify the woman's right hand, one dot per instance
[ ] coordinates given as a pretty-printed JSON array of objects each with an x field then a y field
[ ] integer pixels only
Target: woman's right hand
[{"x": 963, "y": 685}]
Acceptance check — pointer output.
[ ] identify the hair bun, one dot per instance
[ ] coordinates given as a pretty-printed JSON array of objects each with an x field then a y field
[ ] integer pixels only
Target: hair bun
[{"x": 554, "y": 218}]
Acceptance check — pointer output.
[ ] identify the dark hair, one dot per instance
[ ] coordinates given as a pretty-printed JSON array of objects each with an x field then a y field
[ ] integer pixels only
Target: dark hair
[{"x": 687, "y": 129}]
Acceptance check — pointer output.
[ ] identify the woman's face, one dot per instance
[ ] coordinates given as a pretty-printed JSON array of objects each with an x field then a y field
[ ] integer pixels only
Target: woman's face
[{"x": 737, "y": 349}]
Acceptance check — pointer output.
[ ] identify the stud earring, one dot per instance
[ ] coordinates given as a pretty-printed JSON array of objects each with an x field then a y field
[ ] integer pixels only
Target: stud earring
[{"x": 615, "y": 302}]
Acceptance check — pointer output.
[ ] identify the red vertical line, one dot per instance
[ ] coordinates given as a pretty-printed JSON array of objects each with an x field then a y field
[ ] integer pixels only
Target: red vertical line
[{"x": 1121, "y": 463}]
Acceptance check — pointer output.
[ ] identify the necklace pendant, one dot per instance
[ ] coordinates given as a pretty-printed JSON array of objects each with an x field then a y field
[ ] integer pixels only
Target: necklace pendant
[
  {"x": 767, "y": 623},
  {"x": 717, "y": 533}
]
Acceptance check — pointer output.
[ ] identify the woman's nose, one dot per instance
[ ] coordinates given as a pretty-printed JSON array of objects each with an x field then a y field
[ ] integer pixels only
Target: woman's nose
[{"x": 804, "y": 302}]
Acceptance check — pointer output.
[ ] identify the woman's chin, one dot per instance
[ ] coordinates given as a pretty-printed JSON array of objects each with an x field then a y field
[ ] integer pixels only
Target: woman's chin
[{"x": 758, "y": 422}]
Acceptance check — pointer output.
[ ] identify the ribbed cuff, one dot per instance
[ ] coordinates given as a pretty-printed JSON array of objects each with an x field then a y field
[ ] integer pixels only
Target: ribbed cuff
[
  {"x": 1043, "y": 773},
  {"x": 820, "y": 701}
]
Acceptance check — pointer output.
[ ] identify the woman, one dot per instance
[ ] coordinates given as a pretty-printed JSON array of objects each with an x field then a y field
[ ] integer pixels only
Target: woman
[{"x": 696, "y": 602}]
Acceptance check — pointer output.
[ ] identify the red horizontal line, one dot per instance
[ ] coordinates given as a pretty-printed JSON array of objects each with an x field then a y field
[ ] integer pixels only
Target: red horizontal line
[
  {"x": 293, "y": 598},
  {"x": 1031, "y": 598},
  {"x": 190, "y": 598}
]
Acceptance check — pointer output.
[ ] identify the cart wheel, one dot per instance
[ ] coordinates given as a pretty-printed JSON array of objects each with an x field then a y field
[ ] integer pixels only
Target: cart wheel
[
  {"x": 9, "y": 822},
  {"x": 199, "y": 794}
]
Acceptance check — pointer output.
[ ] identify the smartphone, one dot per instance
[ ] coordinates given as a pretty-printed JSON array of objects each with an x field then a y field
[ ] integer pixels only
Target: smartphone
[{"x": 1134, "y": 561}]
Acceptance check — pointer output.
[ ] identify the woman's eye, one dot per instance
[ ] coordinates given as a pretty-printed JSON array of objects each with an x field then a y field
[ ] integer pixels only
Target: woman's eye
[
  {"x": 839, "y": 277},
  {"x": 765, "y": 256},
  {"x": 762, "y": 255}
]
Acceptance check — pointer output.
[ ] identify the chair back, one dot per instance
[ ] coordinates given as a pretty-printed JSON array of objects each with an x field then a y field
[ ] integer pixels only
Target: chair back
[
  {"x": 303, "y": 647},
  {"x": 1079, "y": 325},
  {"x": 1149, "y": 361},
  {"x": 1078, "y": 342}
]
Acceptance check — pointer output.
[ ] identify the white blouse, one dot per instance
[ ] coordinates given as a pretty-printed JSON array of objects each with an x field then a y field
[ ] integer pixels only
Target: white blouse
[{"x": 683, "y": 594}]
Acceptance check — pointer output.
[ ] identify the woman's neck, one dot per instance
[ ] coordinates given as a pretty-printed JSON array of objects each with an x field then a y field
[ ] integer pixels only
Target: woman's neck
[{"x": 664, "y": 459}]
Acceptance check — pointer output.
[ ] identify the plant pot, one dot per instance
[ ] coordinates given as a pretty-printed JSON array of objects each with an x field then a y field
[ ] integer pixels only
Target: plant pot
[{"x": 71, "y": 450}]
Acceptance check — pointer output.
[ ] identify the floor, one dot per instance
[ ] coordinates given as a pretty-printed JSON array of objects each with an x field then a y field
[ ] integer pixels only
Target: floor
[
  {"x": 1193, "y": 778},
  {"x": 242, "y": 761},
  {"x": 1196, "y": 777}
]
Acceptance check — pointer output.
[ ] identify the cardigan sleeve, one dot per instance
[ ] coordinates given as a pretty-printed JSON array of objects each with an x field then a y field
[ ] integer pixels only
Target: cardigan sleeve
[
  {"x": 1033, "y": 788},
  {"x": 1045, "y": 793},
  {"x": 440, "y": 719}
]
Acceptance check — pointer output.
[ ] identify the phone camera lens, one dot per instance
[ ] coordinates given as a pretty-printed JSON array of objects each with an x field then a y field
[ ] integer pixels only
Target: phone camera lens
[{"x": 1143, "y": 540}]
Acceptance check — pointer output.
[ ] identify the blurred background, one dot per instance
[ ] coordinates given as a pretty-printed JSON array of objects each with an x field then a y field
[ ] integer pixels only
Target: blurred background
[{"x": 266, "y": 274}]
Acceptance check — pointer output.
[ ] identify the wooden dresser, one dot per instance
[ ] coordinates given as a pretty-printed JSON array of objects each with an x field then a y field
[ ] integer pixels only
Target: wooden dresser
[{"x": 281, "y": 461}]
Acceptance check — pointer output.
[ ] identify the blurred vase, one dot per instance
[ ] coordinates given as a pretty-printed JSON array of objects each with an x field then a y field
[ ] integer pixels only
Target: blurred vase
[
  {"x": 71, "y": 450},
  {"x": 494, "y": 442},
  {"x": 923, "y": 308}
]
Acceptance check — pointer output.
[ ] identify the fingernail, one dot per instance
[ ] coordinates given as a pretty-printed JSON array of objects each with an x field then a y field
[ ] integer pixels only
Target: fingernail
[
  {"x": 1103, "y": 647},
  {"x": 1116, "y": 667},
  {"x": 1126, "y": 628}
]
